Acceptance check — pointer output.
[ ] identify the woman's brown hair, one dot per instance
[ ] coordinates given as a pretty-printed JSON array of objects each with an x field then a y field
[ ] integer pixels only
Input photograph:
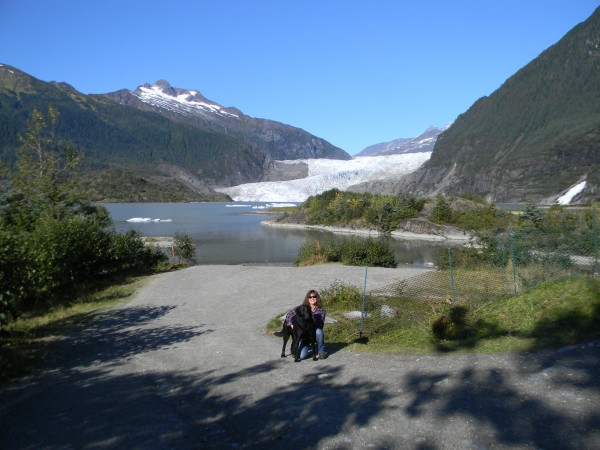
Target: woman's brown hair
[{"x": 308, "y": 294}]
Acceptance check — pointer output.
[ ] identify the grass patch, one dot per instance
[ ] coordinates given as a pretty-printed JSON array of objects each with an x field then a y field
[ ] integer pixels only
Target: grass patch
[
  {"x": 23, "y": 342},
  {"x": 283, "y": 209},
  {"x": 555, "y": 314}
]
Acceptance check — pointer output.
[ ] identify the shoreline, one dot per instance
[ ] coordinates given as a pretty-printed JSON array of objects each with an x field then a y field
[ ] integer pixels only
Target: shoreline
[
  {"x": 167, "y": 242},
  {"x": 397, "y": 234}
]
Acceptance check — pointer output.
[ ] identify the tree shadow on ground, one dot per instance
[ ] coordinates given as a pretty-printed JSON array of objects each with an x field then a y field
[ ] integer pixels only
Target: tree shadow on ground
[
  {"x": 458, "y": 330},
  {"x": 78, "y": 402},
  {"x": 74, "y": 405},
  {"x": 490, "y": 399},
  {"x": 93, "y": 338},
  {"x": 568, "y": 327},
  {"x": 180, "y": 411}
]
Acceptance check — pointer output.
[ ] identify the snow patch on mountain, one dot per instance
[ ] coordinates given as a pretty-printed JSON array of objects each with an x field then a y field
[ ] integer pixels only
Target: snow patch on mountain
[
  {"x": 179, "y": 100},
  {"x": 325, "y": 174}
]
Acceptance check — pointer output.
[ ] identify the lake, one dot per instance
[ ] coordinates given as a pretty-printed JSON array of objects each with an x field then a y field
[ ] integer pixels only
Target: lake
[{"x": 231, "y": 233}]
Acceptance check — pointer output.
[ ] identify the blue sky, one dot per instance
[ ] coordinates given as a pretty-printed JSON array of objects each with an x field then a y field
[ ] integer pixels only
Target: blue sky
[{"x": 353, "y": 72}]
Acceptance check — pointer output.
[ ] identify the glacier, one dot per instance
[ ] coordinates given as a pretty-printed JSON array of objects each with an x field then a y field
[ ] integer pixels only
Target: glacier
[{"x": 325, "y": 174}]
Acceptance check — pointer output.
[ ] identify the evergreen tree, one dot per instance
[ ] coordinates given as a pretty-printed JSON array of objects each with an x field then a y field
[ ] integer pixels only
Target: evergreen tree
[
  {"x": 442, "y": 212},
  {"x": 532, "y": 215}
]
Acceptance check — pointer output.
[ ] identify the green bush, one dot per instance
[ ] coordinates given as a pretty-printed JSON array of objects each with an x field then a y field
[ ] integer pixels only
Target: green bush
[
  {"x": 488, "y": 218},
  {"x": 129, "y": 254},
  {"x": 53, "y": 241},
  {"x": 352, "y": 252},
  {"x": 367, "y": 252},
  {"x": 70, "y": 248},
  {"x": 472, "y": 196},
  {"x": 184, "y": 247},
  {"x": 311, "y": 253},
  {"x": 341, "y": 297}
]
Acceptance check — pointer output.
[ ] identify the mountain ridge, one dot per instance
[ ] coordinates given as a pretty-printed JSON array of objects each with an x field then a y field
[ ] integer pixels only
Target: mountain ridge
[
  {"x": 536, "y": 135},
  {"x": 153, "y": 156},
  {"x": 280, "y": 141},
  {"x": 422, "y": 143}
]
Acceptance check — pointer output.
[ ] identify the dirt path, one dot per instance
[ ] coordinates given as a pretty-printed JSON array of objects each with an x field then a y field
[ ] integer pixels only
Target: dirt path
[{"x": 186, "y": 365}]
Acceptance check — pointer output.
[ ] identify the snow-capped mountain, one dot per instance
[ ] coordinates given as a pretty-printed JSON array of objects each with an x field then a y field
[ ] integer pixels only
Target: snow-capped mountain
[
  {"x": 182, "y": 101},
  {"x": 422, "y": 143},
  {"x": 325, "y": 174},
  {"x": 276, "y": 139}
]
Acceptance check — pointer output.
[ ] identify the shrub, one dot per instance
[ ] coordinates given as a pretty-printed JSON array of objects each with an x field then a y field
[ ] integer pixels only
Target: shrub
[
  {"x": 184, "y": 247},
  {"x": 53, "y": 241},
  {"x": 488, "y": 218},
  {"x": 310, "y": 253},
  {"x": 367, "y": 252},
  {"x": 474, "y": 197},
  {"x": 341, "y": 296},
  {"x": 129, "y": 254},
  {"x": 352, "y": 252}
]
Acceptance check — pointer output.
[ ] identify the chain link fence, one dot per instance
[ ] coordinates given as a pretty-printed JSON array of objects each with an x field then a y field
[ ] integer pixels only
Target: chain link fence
[{"x": 493, "y": 266}]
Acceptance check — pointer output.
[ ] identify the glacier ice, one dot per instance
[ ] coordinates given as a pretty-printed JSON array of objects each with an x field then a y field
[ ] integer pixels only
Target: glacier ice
[
  {"x": 325, "y": 174},
  {"x": 146, "y": 220}
]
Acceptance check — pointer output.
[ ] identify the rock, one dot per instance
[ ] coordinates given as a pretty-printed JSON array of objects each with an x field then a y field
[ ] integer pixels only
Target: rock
[
  {"x": 355, "y": 315},
  {"x": 387, "y": 311}
]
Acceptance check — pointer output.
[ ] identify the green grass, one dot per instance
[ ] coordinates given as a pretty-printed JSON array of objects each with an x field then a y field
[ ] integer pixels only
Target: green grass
[
  {"x": 553, "y": 315},
  {"x": 282, "y": 210},
  {"x": 23, "y": 342}
]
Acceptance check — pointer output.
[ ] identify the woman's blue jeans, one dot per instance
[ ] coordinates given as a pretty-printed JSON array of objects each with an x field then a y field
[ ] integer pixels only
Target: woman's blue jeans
[{"x": 306, "y": 351}]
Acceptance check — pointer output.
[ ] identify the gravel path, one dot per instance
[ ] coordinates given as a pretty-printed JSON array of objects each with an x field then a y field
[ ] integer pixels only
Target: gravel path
[{"x": 186, "y": 365}]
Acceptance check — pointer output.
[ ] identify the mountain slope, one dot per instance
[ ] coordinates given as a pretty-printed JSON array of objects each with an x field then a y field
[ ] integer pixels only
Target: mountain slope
[
  {"x": 422, "y": 143},
  {"x": 130, "y": 154},
  {"x": 536, "y": 136},
  {"x": 278, "y": 140}
]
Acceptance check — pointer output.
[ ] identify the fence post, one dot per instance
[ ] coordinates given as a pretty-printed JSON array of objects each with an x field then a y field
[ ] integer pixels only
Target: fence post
[
  {"x": 362, "y": 313},
  {"x": 595, "y": 241},
  {"x": 453, "y": 292},
  {"x": 513, "y": 259}
]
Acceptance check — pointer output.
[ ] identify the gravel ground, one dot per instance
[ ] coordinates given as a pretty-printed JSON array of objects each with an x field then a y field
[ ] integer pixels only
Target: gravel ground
[{"x": 186, "y": 364}]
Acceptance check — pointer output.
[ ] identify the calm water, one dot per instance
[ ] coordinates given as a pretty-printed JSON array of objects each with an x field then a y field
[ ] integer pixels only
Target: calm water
[{"x": 234, "y": 235}]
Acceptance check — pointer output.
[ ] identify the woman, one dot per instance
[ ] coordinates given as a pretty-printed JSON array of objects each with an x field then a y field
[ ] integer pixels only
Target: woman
[{"x": 313, "y": 300}]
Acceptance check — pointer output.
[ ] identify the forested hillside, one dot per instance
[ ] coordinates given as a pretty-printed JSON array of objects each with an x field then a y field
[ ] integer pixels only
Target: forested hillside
[
  {"x": 113, "y": 136},
  {"x": 535, "y": 136}
]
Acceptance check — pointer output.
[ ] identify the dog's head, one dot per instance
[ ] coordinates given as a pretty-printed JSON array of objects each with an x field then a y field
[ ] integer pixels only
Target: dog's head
[{"x": 303, "y": 313}]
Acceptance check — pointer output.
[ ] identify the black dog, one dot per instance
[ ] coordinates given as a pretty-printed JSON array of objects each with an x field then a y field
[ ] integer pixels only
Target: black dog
[{"x": 304, "y": 329}]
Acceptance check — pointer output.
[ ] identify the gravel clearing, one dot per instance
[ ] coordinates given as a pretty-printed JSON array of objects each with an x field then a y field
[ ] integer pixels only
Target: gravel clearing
[{"x": 186, "y": 364}]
